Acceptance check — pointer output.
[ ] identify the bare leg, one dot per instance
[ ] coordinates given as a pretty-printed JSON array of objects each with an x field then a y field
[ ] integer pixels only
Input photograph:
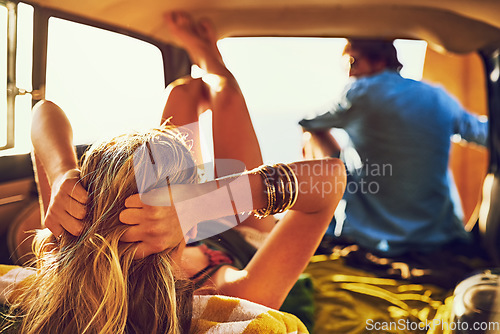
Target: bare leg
[
  {"x": 233, "y": 133},
  {"x": 234, "y": 136},
  {"x": 185, "y": 100}
]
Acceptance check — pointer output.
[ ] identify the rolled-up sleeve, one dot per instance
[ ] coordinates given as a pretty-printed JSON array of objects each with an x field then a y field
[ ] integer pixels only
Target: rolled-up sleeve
[
  {"x": 321, "y": 122},
  {"x": 472, "y": 128},
  {"x": 340, "y": 114}
]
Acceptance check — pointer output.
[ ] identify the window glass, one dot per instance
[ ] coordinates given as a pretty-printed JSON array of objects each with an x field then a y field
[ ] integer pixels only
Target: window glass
[
  {"x": 411, "y": 54},
  {"x": 287, "y": 79},
  {"x": 24, "y": 65},
  {"x": 107, "y": 83},
  {"x": 24, "y": 52},
  {"x": 24, "y": 61},
  {"x": 3, "y": 75}
]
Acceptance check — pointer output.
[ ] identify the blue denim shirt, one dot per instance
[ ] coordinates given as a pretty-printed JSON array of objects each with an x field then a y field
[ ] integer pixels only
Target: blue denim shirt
[{"x": 401, "y": 196}]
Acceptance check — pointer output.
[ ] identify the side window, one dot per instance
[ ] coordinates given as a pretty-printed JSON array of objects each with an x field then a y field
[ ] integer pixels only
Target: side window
[
  {"x": 3, "y": 75},
  {"x": 24, "y": 60},
  {"x": 16, "y": 39},
  {"x": 107, "y": 83}
]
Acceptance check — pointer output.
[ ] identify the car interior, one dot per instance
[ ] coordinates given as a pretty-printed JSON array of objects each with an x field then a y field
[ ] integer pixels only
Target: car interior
[{"x": 70, "y": 51}]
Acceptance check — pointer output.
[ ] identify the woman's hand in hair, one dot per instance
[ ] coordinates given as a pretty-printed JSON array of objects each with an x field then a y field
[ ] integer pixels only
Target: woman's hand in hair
[
  {"x": 162, "y": 218},
  {"x": 67, "y": 204},
  {"x": 153, "y": 222}
]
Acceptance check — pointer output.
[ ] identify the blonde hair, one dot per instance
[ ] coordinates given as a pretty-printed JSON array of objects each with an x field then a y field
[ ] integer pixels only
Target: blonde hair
[{"x": 90, "y": 283}]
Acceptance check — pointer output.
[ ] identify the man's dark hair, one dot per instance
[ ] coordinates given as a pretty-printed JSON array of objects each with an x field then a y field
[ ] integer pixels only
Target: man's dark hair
[{"x": 375, "y": 50}]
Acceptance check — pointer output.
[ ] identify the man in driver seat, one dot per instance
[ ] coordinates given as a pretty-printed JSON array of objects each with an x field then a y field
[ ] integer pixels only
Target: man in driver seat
[{"x": 400, "y": 196}]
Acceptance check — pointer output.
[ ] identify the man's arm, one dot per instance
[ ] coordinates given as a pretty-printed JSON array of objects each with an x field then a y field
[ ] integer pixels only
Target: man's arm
[
  {"x": 472, "y": 128},
  {"x": 341, "y": 112},
  {"x": 52, "y": 137},
  {"x": 318, "y": 142}
]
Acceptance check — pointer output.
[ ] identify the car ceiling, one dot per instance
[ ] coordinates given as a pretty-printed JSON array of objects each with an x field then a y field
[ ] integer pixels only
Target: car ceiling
[{"x": 458, "y": 26}]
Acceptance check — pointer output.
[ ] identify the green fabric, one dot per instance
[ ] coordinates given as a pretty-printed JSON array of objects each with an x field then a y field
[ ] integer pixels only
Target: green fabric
[
  {"x": 348, "y": 300},
  {"x": 300, "y": 301}
]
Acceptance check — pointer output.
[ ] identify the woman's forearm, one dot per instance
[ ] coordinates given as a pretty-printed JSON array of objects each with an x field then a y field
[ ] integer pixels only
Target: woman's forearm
[
  {"x": 55, "y": 158},
  {"x": 52, "y": 139},
  {"x": 319, "y": 182},
  {"x": 292, "y": 242}
]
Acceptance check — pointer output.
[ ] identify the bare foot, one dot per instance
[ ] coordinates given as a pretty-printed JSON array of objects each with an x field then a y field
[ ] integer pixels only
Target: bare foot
[{"x": 197, "y": 39}]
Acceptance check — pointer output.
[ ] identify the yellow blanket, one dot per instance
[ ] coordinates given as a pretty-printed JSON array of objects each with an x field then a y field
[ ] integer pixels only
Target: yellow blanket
[
  {"x": 10, "y": 276},
  {"x": 221, "y": 314},
  {"x": 211, "y": 314}
]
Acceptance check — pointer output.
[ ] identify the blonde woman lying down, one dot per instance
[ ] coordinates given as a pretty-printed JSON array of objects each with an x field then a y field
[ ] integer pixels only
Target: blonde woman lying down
[{"x": 115, "y": 261}]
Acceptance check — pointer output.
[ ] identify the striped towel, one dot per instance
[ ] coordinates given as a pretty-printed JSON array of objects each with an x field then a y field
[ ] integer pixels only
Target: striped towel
[
  {"x": 211, "y": 314},
  {"x": 10, "y": 276},
  {"x": 221, "y": 314}
]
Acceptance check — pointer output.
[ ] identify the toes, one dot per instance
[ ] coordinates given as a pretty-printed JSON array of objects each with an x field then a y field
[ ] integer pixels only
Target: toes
[
  {"x": 170, "y": 18},
  {"x": 180, "y": 21}
]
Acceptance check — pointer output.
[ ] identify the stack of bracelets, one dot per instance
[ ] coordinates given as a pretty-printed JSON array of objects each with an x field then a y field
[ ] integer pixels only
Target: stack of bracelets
[{"x": 281, "y": 188}]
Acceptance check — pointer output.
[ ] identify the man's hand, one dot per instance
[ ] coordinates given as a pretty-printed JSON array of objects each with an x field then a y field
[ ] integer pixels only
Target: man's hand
[
  {"x": 67, "y": 204},
  {"x": 155, "y": 228}
]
